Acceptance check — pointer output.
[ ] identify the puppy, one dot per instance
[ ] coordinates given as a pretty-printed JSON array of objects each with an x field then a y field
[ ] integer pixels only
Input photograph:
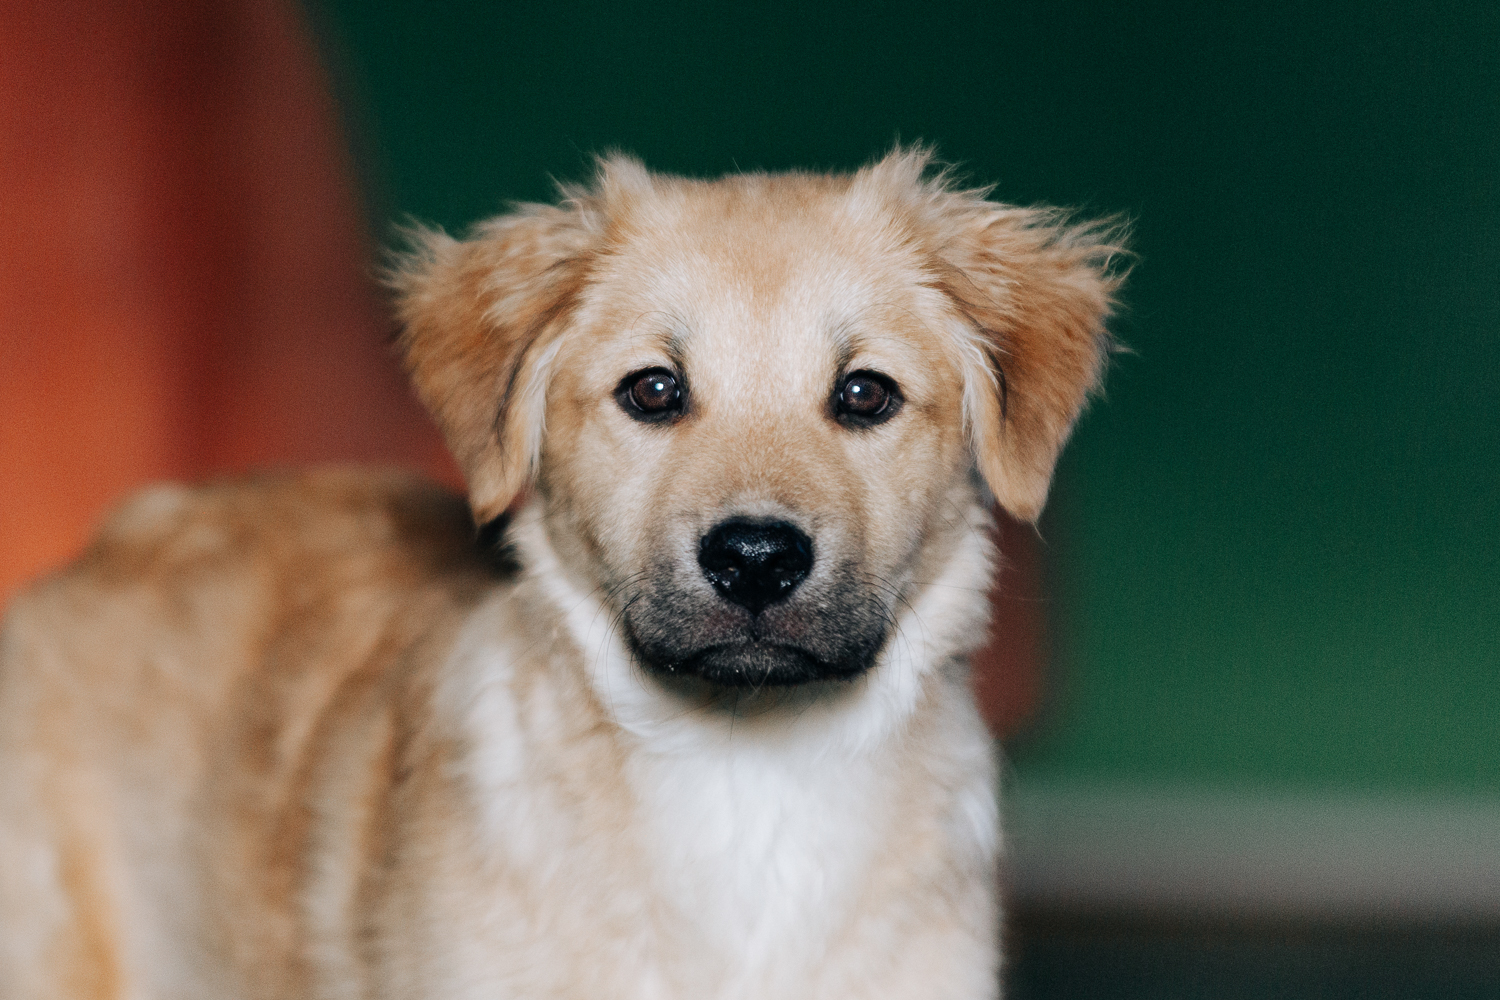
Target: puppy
[{"x": 697, "y": 725}]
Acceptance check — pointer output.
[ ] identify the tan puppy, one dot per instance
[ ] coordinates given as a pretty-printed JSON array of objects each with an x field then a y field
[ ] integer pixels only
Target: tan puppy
[{"x": 702, "y": 730}]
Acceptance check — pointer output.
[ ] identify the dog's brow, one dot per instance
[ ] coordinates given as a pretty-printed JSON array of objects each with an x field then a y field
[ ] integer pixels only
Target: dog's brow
[
  {"x": 677, "y": 350},
  {"x": 670, "y": 335},
  {"x": 847, "y": 342}
]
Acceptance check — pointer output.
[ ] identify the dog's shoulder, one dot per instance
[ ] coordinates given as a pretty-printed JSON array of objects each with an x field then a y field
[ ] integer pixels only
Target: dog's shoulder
[
  {"x": 203, "y": 648},
  {"x": 209, "y": 577},
  {"x": 324, "y": 514},
  {"x": 187, "y": 589},
  {"x": 317, "y": 526}
]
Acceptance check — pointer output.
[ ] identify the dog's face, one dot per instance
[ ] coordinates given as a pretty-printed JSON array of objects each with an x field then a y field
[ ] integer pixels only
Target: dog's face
[
  {"x": 751, "y": 427},
  {"x": 751, "y": 408}
]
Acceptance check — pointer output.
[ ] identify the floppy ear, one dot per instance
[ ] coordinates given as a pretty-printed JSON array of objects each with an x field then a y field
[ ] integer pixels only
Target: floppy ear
[
  {"x": 1030, "y": 292},
  {"x": 480, "y": 319},
  {"x": 1033, "y": 291}
]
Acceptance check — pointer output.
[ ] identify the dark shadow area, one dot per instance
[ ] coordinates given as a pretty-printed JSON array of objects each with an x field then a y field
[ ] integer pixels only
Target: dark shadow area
[{"x": 1062, "y": 954}]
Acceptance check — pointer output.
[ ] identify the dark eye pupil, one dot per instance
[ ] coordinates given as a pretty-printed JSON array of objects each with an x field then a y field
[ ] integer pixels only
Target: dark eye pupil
[
  {"x": 654, "y": 392},
  {"x": 864, "y": 396}
]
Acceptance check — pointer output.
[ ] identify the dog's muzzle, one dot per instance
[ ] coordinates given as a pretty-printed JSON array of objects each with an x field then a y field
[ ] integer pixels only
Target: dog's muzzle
[{"x": 766, "y": 619}]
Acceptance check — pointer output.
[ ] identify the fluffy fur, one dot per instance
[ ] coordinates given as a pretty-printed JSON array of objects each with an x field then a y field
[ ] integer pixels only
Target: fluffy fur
[{"x": 298, "y": 737}]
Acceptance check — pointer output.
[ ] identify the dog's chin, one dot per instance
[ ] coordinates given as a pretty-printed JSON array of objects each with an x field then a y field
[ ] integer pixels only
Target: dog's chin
[{"x": 753, "y": 665}]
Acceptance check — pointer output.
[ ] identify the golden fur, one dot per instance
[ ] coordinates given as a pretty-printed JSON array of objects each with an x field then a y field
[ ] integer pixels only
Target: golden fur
[{"x": 297, "y": 736}]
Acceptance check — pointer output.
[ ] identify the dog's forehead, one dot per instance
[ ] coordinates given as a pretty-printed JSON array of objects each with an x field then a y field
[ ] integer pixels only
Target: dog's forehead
[{"x": 764, "y": 288}]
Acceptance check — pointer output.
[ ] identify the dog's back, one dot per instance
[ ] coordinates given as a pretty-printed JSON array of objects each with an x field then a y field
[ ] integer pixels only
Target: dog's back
[{"x": 156, "y": 703}]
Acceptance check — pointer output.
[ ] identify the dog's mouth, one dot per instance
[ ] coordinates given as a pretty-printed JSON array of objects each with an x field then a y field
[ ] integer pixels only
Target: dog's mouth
[
  {"x": 753, "y": 664},
  {"x": 830, "y": 631}
]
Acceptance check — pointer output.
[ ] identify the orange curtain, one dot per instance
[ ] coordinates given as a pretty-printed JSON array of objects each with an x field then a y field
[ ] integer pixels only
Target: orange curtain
[
  {"x": 185, "y": 285},
  {"x": 183, "y": 273}
]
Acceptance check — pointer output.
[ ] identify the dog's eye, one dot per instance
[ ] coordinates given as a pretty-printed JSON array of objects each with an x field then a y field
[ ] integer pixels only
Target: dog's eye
[
  {"x": 652, "y": 394},
  {"x": 865, "y": 398}
]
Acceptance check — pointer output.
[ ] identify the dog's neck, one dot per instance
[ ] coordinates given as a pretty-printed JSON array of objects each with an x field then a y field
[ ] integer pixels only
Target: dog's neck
[{"x": 758, "y": 820}]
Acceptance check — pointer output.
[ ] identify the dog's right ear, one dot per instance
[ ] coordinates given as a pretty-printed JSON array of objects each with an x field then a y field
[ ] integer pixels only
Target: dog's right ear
[{"x": 480, "y": 319}]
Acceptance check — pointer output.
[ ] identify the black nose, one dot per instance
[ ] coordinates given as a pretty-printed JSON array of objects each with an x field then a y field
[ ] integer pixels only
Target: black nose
[{"x": 755, "y": 564}]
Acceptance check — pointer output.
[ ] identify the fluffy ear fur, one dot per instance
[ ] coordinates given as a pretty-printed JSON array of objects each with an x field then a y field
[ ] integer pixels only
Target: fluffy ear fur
[
  {"x": 1033, "y": 291},
  {"x": 480, "y": 319}
]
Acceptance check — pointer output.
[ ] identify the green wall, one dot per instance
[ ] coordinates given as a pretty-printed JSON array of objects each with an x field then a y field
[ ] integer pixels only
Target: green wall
[{"x": 1276, "y": 544}]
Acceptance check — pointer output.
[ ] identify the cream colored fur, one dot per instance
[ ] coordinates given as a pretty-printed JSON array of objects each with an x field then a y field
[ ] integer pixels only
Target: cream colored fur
[{"x": 297, "y": 737}]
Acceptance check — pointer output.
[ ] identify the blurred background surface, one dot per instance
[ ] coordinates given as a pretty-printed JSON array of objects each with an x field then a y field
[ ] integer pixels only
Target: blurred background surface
[{"x": 1262, "y": 754}]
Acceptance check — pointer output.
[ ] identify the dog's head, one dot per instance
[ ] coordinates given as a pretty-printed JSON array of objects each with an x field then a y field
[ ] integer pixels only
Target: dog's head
[{"x": 753, "y": 409}]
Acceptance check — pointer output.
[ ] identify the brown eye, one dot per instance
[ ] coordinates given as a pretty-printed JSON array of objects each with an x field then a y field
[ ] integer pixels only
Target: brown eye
[
  {"x": 652, "y": 394},
  {"x": 866, "y": 398}
]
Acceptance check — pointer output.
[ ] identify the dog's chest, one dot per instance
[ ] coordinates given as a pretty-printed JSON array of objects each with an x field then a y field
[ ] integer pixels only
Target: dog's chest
[
  {"x": 729, "y": 865},
  {"x": 759, "y": 851}
]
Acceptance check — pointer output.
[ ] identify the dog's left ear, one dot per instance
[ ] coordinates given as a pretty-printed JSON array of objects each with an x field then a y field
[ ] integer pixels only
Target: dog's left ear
[
  {"x": 478, "y": 317},
  {"x": 1031, "y": 291}
]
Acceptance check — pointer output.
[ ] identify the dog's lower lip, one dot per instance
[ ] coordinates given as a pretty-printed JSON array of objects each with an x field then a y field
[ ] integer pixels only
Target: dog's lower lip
[
  {"x": 800, "y": 666},
  {"x": 690, "y": 664}
]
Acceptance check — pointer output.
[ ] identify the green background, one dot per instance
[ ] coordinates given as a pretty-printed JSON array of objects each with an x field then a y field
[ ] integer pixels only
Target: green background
[{"x": 1275, "y": 545}]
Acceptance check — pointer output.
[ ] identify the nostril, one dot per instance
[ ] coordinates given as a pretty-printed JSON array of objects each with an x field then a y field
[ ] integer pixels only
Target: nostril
[{"x": 753, "y": 563}]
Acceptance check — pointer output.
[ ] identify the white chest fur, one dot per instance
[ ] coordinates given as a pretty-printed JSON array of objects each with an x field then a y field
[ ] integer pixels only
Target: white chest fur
[
  {"x": 761, "y": 848},
  {"x": 753, "y": 835}
]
